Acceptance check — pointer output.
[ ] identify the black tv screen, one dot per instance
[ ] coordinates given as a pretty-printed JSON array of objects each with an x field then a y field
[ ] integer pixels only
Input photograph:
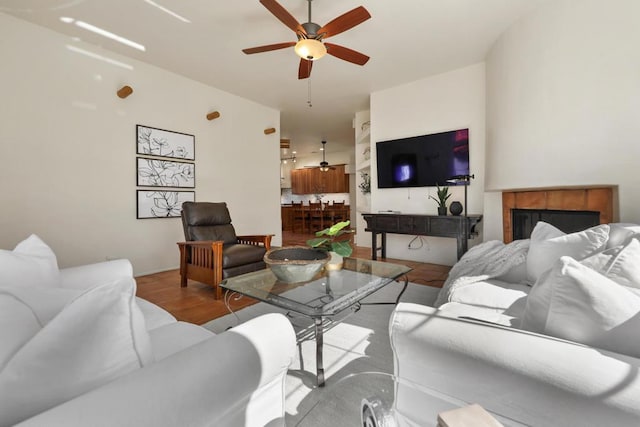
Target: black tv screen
[{"x": 423, "y": 161}]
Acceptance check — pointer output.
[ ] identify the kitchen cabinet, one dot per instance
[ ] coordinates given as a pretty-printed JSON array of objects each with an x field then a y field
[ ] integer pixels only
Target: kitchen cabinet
[{"x": 314, "y": 181}]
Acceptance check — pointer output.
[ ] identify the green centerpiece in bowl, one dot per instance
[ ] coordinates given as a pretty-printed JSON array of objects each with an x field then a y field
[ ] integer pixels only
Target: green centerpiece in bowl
[{"x": 333, "y": 240}]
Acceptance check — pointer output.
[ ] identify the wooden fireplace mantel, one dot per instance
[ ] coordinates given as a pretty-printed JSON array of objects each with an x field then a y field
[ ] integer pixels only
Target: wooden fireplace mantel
[{"x": 597, "y": 199}]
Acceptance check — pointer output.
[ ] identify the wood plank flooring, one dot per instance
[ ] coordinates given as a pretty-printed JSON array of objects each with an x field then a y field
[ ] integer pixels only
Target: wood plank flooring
[{"x": 196, "y": 303}]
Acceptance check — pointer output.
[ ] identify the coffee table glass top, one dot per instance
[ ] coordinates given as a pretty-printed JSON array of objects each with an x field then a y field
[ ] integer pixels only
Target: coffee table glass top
[
  {"x": 328, "y": 293},
  {"x": 367, "y": 399}
]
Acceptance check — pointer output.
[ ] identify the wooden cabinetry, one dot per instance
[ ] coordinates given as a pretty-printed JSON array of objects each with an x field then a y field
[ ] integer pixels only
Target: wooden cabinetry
[
  {"x": 313, "y": 181},
  {"x": 286, "y": 214}
]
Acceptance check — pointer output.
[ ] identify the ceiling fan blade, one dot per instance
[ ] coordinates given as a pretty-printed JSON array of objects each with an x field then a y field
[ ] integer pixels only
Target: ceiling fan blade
[
  {"x": 283, "y": 15},
  {"x": 346, "y": 54},
  {"x": 268, "y": 47},
  {"x": 304, "y": 70},
  {"x": 345, "y": 22}
]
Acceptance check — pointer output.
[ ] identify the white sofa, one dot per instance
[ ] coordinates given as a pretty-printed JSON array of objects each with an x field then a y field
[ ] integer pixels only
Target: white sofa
[
  {"x": 537, "y": 337},
  {"x": 156, "y": 371}
]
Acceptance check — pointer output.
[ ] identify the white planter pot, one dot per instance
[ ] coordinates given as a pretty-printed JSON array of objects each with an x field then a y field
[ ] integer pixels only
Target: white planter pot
[{"x": 335, "y": 263}]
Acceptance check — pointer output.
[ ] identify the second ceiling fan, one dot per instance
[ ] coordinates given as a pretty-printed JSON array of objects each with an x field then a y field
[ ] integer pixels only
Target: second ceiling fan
[
  {"x": 310, "y": 45},
  {"x": 324, "y": 165}
]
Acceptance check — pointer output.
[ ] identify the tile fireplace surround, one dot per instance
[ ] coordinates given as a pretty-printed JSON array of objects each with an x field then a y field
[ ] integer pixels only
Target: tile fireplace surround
[{"x": 598, "y": 199}]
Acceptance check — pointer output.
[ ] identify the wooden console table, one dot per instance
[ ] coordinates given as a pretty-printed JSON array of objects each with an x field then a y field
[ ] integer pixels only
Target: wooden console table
[{"x": 419, "y": 225}]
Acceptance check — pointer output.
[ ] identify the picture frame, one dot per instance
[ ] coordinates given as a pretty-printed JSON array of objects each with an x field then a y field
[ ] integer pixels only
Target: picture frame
[
  {"x": 161, "y": 203},
  {"x": 157, "y": 142},
  {"x": 152, "y": 172}
]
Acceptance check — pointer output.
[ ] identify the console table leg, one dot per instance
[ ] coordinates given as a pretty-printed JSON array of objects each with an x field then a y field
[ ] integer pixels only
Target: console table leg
[
  {"x": 319, "y": 339},
  {"x": 461, "y": 246},
  {"x": 384, "y": 245},
  {"x": 374, "y": 245}
]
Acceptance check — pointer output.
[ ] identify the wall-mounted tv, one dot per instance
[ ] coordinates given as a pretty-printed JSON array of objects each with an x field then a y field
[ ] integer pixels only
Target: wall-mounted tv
[{"x": 423, "y": 161}]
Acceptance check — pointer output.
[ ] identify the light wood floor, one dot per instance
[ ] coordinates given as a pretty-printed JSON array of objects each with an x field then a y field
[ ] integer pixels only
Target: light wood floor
[{"x": 196, "y": 302}]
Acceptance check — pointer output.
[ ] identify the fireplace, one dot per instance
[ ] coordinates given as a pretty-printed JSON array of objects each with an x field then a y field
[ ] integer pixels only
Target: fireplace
[
  {"x": 570, "y": 210},
  {"x": 523, "y": 220}
]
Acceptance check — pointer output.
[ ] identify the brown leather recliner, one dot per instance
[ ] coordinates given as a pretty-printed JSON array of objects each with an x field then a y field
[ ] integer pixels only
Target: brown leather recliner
[{"x": 213, "y": 251}]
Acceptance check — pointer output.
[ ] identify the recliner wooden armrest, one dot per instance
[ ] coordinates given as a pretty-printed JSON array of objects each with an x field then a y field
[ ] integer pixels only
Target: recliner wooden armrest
[
  {"x": 256, "y": 239},
  {"x": 198, "y": 243}
]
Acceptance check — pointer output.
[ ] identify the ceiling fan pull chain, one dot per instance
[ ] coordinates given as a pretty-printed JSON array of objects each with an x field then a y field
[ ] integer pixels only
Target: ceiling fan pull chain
[{"x": 309, "y": 92}]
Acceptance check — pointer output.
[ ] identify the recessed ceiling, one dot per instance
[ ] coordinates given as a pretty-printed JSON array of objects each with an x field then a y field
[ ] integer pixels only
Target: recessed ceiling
[{"x": 203, "y": 40}]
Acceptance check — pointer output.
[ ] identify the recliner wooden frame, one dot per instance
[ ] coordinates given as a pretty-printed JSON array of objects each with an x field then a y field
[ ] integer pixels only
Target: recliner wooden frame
[{"x": 202, "y": 260}]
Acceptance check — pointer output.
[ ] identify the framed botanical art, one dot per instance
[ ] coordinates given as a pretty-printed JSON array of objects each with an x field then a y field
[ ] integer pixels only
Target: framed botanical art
[
  {"x": 165, "y": 143},
  {"x": 162, "y": 204},
  {"x": 164, "y": 173}
]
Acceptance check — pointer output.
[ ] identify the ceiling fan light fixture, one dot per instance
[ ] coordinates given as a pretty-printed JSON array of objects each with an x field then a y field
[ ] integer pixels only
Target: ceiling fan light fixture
[
  {"x": 310, "y": 49},
  {"x": 324, "y": 165}
]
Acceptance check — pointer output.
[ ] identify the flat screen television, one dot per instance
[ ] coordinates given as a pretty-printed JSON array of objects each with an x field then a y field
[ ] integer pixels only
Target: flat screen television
[{"x": 423, "y": 161}]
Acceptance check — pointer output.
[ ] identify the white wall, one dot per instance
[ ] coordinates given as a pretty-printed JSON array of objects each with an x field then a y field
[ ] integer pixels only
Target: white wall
[
  {"x": 563, "y": 98},
  {"x": 68, "y": 150},
  {"x": 448, "y": 101}
]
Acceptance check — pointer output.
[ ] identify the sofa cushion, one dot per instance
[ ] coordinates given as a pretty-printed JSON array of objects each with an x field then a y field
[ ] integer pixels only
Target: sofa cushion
[
  {"x": 241, "y": 254},
  {"x": 174, "y": 337},
  {"x": 97, "y": 336},
  {"x": 574, "y": 302},
  {"x": 548, "y": 244},
  {"x": 482, "y": 314},
  {"x": 154, "y": 316},
  {"x": 490, "y": 293},
  {"x": 31, "y": 263}
]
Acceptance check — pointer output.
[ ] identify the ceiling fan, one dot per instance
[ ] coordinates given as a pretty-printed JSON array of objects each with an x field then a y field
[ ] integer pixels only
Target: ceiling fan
[
  {"x": 324, "y": 165},
  {"x": 310, "y": 45}
]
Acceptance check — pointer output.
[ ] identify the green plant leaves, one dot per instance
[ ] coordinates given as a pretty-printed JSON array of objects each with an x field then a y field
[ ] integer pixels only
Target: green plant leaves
[
  {"x": 443, "y": 196},
  {"x": 342, "y": 248},
  {"x": 328, "y": 244}
]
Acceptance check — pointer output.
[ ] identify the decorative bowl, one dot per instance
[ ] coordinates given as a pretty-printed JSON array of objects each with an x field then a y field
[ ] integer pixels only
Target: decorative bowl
[{"x": 293, "y": 264}]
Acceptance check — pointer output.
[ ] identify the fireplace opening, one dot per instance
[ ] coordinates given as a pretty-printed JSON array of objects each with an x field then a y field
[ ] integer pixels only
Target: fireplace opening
[{"x": 524, "y": 220}]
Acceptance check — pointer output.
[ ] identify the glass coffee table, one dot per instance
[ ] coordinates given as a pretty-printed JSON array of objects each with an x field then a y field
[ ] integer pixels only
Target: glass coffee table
[
  {"x": 325, "y": 299},
  {"x": 367, "y": 399}
]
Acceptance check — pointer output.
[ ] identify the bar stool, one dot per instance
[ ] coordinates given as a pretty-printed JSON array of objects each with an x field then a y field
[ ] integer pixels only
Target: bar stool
[{"x": 299, "y": 217}]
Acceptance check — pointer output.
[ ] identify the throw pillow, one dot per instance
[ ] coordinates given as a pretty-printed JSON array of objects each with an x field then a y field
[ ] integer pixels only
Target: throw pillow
[
  {"x": 586, "y": 307},
  {"x": 620, "y": 264},
  {"x": 620, "y": 233},
  {"x": 97, "y": 337},
  {"x": 31, "y": 263},
  {"x": 548, "y": 244},
  {"x": 18, "y": 324}
]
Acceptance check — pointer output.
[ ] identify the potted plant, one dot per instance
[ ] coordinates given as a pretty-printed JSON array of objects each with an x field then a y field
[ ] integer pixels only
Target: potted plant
[
  {"x": 365, "y": 185},
  {"x": 326, "y": 240},
  {"x": 443, "y": 196}
]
